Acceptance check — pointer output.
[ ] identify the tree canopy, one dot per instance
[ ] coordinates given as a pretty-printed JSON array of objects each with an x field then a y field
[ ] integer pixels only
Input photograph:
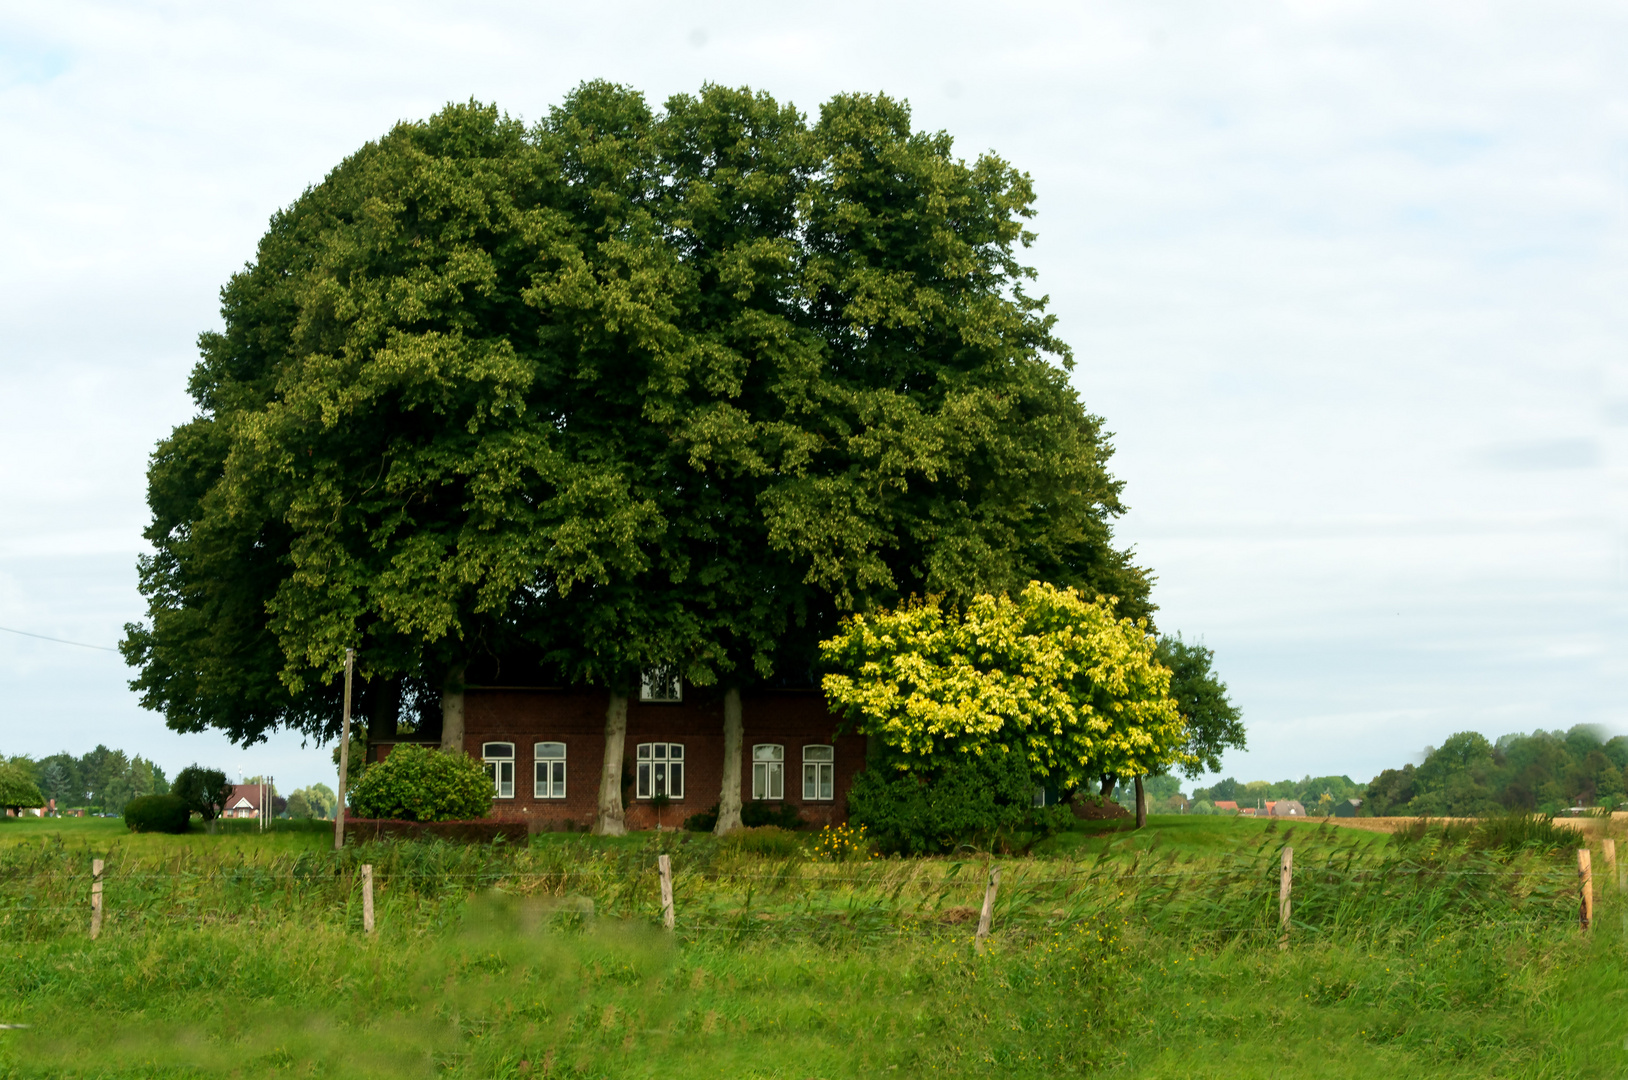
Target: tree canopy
[
  {"x": 1057, "y": 680},
  {"x": 617, "y": 389},
  {"x": 1470, "y": 775},
  {"x": 1213, "y": 722},
  {"x": 17, "y": 788}
]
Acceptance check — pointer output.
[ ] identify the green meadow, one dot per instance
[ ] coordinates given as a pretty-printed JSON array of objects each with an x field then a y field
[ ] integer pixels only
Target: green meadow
[{"x": 1156, "y": 953}]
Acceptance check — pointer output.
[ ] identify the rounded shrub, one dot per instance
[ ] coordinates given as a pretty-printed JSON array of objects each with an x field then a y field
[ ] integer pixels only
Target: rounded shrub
[
  {"x": 416, "y": 783},
  {"x": 157, "y": 813},
  {"x": 984, "y": 800}
]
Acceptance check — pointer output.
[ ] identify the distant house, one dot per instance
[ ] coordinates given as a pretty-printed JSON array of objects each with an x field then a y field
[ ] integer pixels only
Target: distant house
[
  {"x": 244, "y": 802},
  {"x": 1285, "y": 808},
  {"x": 1347, "y": 807},
  {"x": 1228, "y": 805}
]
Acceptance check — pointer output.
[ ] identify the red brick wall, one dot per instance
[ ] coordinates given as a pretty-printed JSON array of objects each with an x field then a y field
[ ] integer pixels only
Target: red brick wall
[{"x": 577, "y": 718}]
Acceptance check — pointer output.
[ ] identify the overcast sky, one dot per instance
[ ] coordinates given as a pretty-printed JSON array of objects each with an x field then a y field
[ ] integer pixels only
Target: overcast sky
[{"x": 1347, "y": 281}]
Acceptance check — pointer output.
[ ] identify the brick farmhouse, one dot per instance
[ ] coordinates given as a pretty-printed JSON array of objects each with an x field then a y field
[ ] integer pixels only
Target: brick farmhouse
[{"x": 544, "y": 748}]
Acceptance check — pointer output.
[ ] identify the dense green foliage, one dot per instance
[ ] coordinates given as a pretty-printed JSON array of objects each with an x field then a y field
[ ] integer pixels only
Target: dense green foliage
[
  {"x": 157, "y": 813},
  {"x": 203, "y": 791},
  {"x": 1213, "y": 723},
  {"x": 1545, "y": 771},
  {"x": 315, "y": 801},
  {"x": 102, "y": 780},
  {"x": 982, "y": 800},
  {"x": 17, "y": 788},
  {"x": 416, "y": 783},
  {"x": 624, "y": 388}
]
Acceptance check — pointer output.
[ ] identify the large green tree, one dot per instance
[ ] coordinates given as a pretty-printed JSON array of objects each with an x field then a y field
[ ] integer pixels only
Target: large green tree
[{"x": 623, "y": 389}]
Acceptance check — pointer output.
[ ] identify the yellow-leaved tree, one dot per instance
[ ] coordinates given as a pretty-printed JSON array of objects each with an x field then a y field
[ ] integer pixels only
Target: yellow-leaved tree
[{"x": 1049, "y": 681}]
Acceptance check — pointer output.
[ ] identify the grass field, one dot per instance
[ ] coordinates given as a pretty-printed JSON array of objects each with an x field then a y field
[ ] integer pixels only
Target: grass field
[{"x": 1151, "y": 954}]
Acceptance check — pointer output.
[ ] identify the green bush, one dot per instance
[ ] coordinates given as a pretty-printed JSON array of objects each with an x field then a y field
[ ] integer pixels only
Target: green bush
[
  {"x": 416, "y": 783},
  {"x": 18, "y": 792},
  {"x": 157, "y": 813},
  {"x": 704, "y": 821},
  {"x": 781, "y": 815},
  {"x": 770, "y": 840},
  {"x": 203, "y": 791},
  {"x": 985, "y": 800}
]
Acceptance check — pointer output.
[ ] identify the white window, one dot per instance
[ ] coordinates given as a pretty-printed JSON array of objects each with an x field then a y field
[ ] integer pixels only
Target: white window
[
  {"x": 550, "y": 765},
  {"x": 1039, "y": 797},
  {"x": 499, "y": 758},
  {"x": 660, "y": 770},
  {"x": 661, "y": 684},
  {"x": 768, "y": 771},
  {"x": 819, "y": 773}
]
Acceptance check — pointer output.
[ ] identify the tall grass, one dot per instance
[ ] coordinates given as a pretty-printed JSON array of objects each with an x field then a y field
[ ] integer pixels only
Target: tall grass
[{"x": 1433, "y": 956}]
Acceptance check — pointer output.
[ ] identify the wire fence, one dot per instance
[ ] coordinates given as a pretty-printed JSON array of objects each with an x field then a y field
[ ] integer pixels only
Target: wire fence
[{"x": 414, "y": 888}]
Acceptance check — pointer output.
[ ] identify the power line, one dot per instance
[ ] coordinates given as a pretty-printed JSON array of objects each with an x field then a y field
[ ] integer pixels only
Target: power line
[{"x": 59, "y": 641}]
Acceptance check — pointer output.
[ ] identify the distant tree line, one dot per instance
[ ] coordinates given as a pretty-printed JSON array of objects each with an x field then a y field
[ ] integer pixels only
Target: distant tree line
[
  {"x": 1545, "y": 771},
  {"x": 102, "y": 781},
  {"x": 1318, "y": 794}
]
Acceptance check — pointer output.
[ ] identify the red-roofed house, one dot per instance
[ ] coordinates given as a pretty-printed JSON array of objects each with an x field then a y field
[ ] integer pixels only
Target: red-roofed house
[{"x": 244, "y": 801}]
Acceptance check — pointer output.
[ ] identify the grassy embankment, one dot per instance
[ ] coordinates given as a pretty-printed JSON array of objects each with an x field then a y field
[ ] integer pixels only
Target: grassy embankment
[{"x": 1150, "y": 955}]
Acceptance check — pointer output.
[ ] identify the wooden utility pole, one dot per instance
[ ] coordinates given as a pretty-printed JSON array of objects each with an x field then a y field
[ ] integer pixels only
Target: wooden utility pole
[
  {"x": 666, "y": 866},
  {"x": 988, "y": 914},
  {"x": 95, "y": 899},
  {"x": 344, "y": 755},
  {"x": 1285, "y": 887}
]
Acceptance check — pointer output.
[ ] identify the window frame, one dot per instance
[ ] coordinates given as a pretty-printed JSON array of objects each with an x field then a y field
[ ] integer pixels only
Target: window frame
[
  {"x": 552, "y": 787},
  {"x": 654, "y": 681},
  {"x": 773, "y": 771},
  {"x": 814, "y": 767},
  {"x": 495, "y": 768},
  {"x": 651, "y": 771}
]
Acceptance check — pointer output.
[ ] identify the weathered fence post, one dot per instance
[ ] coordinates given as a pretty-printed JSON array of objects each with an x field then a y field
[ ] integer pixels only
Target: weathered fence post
[
  {"x": 988, "y": 913},
  {"x": 1608, "y": 848},
  {"x": 1585, "y": 876},
  {"x": 95, "y": 899},
  {"x": 1285, "y": 886},
  {"x": 666, "y": 866},
  {"x": 367, "y": 898}
]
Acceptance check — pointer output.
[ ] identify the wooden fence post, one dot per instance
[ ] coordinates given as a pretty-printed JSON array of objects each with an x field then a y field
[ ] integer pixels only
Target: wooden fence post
[
  {"x": 367, "y": 898},
  {"x": 95, "y": 899},
  {"x": 1285, "y": 887},
  {"x": 1585, "y": 875},
  {"x": 1608, "y": 848},
  {"x": 988, "y": 913},
  {"x": 666, "y": 866}
]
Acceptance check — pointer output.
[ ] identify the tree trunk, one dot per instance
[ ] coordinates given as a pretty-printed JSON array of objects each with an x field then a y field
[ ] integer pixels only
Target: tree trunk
[
  {"x": 1141, "y": 804},
  {"x": 1108, "y": 782},
  {"x": 383, "y": 712},
  {"x": 452, "y": 711},
  {"x": 610, "y": 821},
  {"x": 729, "y": 797}
]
